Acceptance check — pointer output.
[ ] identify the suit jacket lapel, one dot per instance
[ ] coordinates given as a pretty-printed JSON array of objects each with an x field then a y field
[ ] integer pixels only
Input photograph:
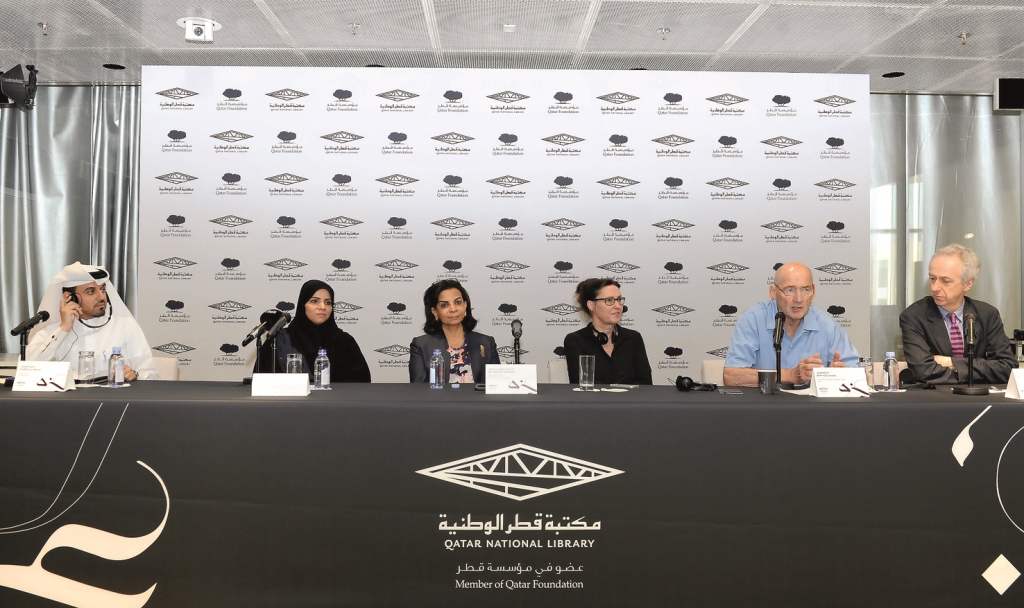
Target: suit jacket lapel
[{"x": 937, "y": 331}]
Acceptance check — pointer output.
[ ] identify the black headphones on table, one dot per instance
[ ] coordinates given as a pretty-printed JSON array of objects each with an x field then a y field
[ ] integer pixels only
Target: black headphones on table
[{"x": 685, "y": 383}]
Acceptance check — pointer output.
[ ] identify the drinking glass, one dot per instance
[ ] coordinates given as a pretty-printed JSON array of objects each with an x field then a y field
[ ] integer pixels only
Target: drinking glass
[
  {"x": 587, "y": 365},
  {"x": 86, "y": 366}
]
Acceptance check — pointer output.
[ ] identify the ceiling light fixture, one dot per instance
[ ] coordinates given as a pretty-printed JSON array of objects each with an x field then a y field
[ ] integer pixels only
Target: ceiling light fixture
[
  {"x": 198, "y": 29},
  {"x": 509, "y": 28},
  {"x": 663, "y": 31}
]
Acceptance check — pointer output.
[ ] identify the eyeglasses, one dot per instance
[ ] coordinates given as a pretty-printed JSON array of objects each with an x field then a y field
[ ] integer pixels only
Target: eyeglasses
[
  {"x": 610, "y": 301},
  {"x": 789, "y": 292}
]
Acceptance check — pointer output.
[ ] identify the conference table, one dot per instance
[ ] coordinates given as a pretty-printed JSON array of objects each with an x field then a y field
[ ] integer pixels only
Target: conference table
[{"x": 196, "y": 494}]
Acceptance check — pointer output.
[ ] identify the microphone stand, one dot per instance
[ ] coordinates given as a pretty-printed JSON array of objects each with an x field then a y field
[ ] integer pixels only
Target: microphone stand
[
  {"x": 273, "y": 354},
  {"x": 258, "y": 344},
  {"x": 515, "y": 347},
  {"x": 24, "y": 344},
  {"x": 778, "y": 370},
  {"x": 970, "y": 389}
]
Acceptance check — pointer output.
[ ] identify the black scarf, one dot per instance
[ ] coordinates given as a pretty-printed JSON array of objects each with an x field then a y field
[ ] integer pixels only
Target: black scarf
[{"x": 308, "y": 337}]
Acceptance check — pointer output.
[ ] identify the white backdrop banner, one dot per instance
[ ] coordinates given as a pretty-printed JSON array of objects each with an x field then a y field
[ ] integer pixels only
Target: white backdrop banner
[{"x": 688, "y": 188}]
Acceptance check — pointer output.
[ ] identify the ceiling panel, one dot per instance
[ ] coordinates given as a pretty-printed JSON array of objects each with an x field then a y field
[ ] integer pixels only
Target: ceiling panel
[
  {"x": 813, "y": 29},
  {"x": 695, "y": 26},
  {"x": 918, "y": 37},
  {"x": 540, "y": 25}
]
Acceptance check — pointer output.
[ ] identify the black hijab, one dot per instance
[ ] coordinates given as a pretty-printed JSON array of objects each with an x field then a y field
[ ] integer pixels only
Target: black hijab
[{"x": 307, "y": 336}]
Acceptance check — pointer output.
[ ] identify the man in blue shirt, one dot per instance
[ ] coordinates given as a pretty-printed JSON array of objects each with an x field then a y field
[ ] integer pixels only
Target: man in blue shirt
[{"x": 808, "y": 333}]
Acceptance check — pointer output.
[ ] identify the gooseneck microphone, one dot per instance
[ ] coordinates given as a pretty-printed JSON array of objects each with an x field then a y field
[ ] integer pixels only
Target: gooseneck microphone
[
  {"x": 517, "y": 332},
  {"x": 266, "y": 320},
  {"x": 970, "y": 320},
  {"x": 31, "y": 322},
  {"x": 283, "y": 320},
  {"x": 780, "y": 318}
]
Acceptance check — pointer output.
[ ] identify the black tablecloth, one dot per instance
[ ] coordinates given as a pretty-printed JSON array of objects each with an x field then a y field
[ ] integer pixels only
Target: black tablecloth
[{"x": 667, "y": 499}]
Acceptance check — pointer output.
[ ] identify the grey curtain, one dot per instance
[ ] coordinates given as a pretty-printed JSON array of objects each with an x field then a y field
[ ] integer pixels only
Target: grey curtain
[
  {"x": 944, "y": 170},
  {"x": 69, "y": 170},
  {"x": 943, "y": 167}
]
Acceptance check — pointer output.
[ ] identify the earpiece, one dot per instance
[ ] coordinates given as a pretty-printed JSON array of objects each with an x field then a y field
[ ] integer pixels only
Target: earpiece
[
  {"x": 685, "y": 383},
  {"x": 74, "y": 296}
]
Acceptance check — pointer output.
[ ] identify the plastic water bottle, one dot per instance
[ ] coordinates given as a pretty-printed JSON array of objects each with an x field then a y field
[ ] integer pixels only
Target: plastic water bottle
[
  {"x": 891, "y": 372},
  {"x": 115, "y": 375},
  {"x": 437, "y": 369},
  {"x": 322, "y": 371}
]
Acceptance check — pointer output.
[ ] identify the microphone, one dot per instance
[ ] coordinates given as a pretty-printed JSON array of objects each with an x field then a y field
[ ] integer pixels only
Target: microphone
[
  {"x": 780, "y": 317},
  {"x": 517, "y": 329},
  {"x": 969, "y": 322},
  {"x": 908, "y": 380},
  {"x": 283, "y": 320},
  {"x": 266, "y": 320},
  {"x": 31, "y": 322}
]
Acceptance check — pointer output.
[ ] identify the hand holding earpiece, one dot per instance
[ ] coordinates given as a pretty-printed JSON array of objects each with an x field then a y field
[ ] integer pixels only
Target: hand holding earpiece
[{"x": 69, "y": 311}]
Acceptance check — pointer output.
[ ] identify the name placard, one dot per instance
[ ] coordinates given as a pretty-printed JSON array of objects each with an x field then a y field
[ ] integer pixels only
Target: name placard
[
  {"x": 1015, "y": 387},
  {"x": 839, "y": 382},
  {"x": 280, "y": 385},
  {"x": 511, "y": 379},
  {"x": 43, "y": 377}
]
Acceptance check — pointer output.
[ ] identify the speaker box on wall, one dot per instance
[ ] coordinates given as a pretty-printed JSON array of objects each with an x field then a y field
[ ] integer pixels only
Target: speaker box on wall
[{"x": 1009, "y": 94}]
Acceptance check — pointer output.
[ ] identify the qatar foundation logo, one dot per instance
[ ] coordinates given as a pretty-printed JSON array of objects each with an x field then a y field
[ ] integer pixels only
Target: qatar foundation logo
[
  {"x": 341, "y": 272},
  {"x": 835, "y": 149},
  {"x": 674, "y": 274},
  {"x": 673, "y": 105},
  {"x": 342, "y": 102},
  {"x": 781, "y": 109},
  {"x": 563, "y": 104},
  {"x": 174, "y": 313}
]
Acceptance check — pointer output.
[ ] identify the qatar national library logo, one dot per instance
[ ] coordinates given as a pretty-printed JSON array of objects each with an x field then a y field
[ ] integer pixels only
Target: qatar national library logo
[{"x": 520, "y": 472}]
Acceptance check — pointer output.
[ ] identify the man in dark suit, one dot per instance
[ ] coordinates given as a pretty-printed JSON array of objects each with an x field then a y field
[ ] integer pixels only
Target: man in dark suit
[{"x": 934, "y": 342}]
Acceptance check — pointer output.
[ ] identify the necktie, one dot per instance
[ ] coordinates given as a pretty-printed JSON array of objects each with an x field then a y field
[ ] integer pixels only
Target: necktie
[{"x": 956, "y": 340}]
